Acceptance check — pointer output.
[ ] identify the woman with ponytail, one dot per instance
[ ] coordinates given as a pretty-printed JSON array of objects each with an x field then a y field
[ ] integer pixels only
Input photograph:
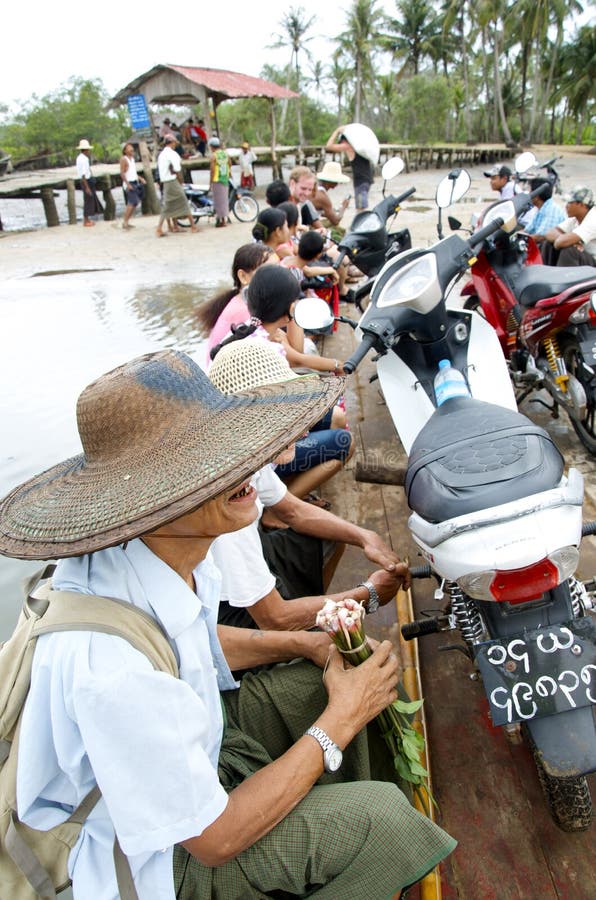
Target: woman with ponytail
[
  {"x": 216, "y": 316},
  {"x": 271, "y": 228}
]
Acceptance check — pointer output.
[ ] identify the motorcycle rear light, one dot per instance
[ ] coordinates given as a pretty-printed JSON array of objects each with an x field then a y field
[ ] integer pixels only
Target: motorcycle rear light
[
  {"x": 586, "y": 312},
  {"x": 525, "y": 584},
  {"x": 521, "y": 585}
]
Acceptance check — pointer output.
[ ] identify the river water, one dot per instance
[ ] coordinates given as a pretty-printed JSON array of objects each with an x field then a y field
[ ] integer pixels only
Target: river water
[{"x": 58, "y": 334}]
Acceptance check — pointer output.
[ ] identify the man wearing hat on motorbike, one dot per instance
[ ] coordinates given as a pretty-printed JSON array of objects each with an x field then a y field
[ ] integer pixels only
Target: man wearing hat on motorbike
[
  {"x": 573, "y": 241},
  {"x": 211, "y": 788},
  {"x": 500, "y": 180}
]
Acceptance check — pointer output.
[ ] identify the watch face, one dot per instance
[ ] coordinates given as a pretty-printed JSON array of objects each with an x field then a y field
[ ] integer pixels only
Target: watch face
[{"x": 333, "y": 758}]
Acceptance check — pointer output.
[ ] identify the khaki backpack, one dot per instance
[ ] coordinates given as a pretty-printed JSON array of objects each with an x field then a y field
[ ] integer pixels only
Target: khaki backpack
[{"x": 33, "y": 863}]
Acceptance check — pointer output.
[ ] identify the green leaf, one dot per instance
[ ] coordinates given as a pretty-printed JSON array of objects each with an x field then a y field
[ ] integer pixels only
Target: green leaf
[
  {"x": 403, "y": 770},
  {"x": 411, "y": 751},
  {"x": 418, "y": 769},
  {"x": 408, "y": 707}
]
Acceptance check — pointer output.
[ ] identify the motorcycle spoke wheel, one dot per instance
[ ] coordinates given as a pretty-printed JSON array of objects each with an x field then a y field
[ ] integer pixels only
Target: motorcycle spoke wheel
[
  {"x": 245, "y": 208},
  {"x": 585, "y": 428},
  {"x": 568, "y": 799}
]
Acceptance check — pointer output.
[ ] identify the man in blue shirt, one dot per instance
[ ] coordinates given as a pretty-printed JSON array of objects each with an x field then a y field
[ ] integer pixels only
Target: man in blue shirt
[{"x": 548, "y": 214}]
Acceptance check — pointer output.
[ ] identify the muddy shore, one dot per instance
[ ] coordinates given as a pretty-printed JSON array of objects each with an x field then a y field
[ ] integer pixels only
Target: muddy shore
[{"x": 206, "y": 256}]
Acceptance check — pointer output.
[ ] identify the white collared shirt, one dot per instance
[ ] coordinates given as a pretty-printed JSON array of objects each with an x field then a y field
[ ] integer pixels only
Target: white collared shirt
[
  {"x": 167, "y": 158},
  {"x": 245, "y": 575},
  {"x": 97, "y": 712},
  {"x": 83, "y": 166}
]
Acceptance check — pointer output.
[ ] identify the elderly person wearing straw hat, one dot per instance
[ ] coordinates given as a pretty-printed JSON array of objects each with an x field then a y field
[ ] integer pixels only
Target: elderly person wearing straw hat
[
  {"x": 211, "y": 789},
  {"x": 260, "y": 574}
]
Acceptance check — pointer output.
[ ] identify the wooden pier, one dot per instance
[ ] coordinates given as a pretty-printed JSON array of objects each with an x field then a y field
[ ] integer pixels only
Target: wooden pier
[
  {"x": 43, "y": 184},
  {"x": 486, "y": 787}
]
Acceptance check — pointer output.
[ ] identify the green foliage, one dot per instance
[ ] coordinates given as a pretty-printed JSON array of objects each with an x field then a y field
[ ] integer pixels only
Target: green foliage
[
  {"x": 250, "y": 120},
  {"x": 422, "y": 109},
  {"x": 55, "y": 123}
]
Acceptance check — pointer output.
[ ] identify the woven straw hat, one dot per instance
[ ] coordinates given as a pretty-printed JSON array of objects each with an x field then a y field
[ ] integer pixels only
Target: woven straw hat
[
  {"x": 248, "y": 364},
  {"x": 331, "y": 171},
  {"x": 84, "y": 144},
  {"x": 159, "y": 440}
]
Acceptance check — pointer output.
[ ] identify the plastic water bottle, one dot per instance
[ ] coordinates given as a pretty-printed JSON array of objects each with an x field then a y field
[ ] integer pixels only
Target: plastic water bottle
[{"x": 449, "y": 382}]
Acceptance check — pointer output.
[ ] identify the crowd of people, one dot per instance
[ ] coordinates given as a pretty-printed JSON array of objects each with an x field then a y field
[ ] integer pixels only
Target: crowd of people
[{"x": 247, "y": 764}]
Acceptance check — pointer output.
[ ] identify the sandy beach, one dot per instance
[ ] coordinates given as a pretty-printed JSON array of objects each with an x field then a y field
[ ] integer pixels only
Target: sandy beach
[{"x": 206, "y": 257}]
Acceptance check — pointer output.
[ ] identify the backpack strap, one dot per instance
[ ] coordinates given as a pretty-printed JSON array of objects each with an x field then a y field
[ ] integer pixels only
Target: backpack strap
[
  {"x": 72, "y": 611},
  {"x": 23, "y": 856}
]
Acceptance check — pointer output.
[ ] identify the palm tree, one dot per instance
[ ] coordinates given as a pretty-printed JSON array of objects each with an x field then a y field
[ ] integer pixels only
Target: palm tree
[
  {"x": 340, "y": 76},
  {"x": 411, "y": 35},
  {"x": 491, "y": 20},
  {"x": 358, "y": 45},
  {"x": 576, "y": 85},
  {"x": 295, "y": 27}
]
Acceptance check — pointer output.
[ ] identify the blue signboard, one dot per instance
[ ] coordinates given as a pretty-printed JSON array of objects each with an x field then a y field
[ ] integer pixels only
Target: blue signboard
[{"x": 139, "y": 114}]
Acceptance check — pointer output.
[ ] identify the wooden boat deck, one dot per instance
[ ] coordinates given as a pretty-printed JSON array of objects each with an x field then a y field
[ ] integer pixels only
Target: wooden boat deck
[{"x": 486, "y": 787}]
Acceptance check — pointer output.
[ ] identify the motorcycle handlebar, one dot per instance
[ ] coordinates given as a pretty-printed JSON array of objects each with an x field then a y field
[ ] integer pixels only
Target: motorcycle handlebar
[
  {"x": 359, "y": 353},
  {"x": 485, "y": 232},
  {"x": 399, "y": 200}
]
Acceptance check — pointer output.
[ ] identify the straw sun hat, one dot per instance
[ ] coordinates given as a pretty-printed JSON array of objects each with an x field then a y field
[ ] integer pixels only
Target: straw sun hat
[
  {"x": 248, "y": 364},
  {"x": 332, "y": 172},
  {"x": 159, "y": 440}
]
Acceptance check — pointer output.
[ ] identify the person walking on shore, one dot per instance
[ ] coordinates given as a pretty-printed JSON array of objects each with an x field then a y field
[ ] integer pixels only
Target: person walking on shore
[
  {"x": 132, "y": 183},
  {"x": 91, "y": 204},
  {"x": 175, "y": 204},
  {"x": 220, "y": 180}
]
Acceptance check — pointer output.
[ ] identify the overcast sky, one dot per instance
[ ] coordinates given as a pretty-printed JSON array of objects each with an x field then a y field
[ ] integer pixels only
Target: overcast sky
[{"x": 43, "y": 45}]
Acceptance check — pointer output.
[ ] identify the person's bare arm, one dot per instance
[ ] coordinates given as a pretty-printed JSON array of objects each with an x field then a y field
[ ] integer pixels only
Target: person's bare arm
[
  {"x": 309, "y": 519},
  {"x": 568, "y": 240},
  {"x": 333, "y": 146},
  {"x": 272, "y": 612},
  {"x": 552, "y": 234},
  {"x": 329, "y": 271},
  {"x": 245, "y": 647},
  {"x": 323, "y": 204},
  {"x": 356, "y": 696}
]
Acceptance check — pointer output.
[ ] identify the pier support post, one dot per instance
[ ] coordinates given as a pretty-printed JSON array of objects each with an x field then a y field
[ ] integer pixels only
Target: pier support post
[
  {"x": 71, "y": 202},
  {"x": 49, "y": 206},
  {"x": 109, "y": 213},
  {"x": 151, "y": 202}
]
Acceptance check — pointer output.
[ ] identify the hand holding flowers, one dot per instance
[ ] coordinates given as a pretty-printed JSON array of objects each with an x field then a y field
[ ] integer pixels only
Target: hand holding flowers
[{"x": 343, "y": 621}]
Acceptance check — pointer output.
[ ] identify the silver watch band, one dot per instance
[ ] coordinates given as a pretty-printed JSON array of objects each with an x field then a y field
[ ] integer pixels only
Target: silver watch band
[{"x": 374, "y": 601}]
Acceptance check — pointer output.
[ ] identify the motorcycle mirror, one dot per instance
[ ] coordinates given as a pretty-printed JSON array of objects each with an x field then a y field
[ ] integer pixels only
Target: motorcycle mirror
[
  {"x": 452, "y": 188},
  {"x": 392, "y": 168},
  {"x": 313, "y": 314},
  {"x": 525, "y": 161}
]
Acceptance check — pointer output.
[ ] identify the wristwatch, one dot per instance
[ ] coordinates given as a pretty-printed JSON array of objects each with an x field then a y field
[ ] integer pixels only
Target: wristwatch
[
  {"x": 374, "y": 601},
  {"x": 332, "y": 755}
]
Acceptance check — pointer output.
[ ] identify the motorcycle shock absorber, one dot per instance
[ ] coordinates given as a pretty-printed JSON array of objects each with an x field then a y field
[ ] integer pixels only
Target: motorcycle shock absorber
[
  {"x": 467, "y": 616},
  {"x": 556, "y": 362},
  {"x": 581, "y": 601}
]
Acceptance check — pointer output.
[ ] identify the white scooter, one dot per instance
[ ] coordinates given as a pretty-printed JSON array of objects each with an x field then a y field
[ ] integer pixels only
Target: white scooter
[{"x": 493, "y": 513}]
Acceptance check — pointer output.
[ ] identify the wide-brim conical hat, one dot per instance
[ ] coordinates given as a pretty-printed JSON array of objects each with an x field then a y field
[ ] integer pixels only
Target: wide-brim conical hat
[
  {"x": 363, "y": 140},
  {"x": 159, "y": 440}
]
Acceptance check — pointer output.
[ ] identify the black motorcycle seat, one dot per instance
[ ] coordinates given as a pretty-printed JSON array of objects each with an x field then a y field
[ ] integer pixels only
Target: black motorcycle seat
[
  {"x": 536, "y": 283},
  {"x": 473, "y": 455}
]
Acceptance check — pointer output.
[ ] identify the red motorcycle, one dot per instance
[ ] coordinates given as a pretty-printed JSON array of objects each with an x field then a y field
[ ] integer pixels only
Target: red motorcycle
[{"x": 544, "y": 316}]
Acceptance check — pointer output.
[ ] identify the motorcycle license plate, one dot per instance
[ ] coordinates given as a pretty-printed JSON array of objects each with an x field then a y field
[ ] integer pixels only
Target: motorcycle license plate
[{"x": 540, "y": 672}]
